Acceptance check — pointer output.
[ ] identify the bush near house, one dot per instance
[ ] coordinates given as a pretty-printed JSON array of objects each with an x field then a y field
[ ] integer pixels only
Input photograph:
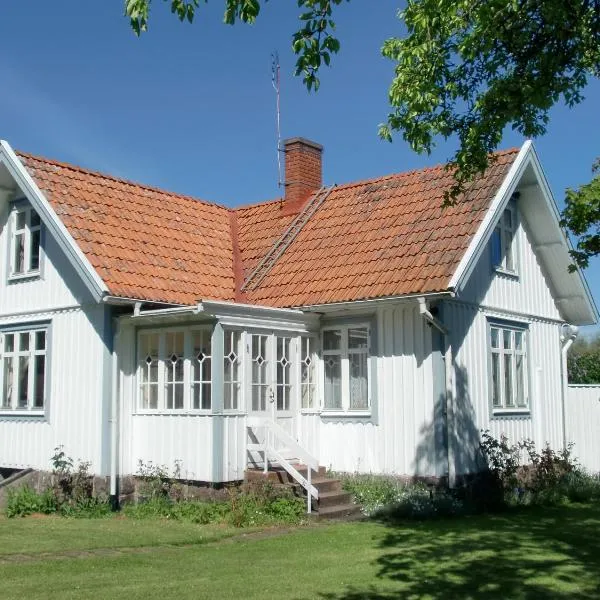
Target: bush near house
[
  {"x": 516, "y": 474},
  {"x": 71, "y": 494}
]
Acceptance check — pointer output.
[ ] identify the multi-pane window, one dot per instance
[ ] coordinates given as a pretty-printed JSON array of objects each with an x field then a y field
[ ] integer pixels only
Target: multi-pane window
[
  {"x": 232, "y": 369},
  {"x": 23, "y": 370},
  {"x": 260, "y": 372},
  {"x": 346, "y": 368},
  {"x": 174, "y": 369},
  {"x": 503, "y": 254},
  {"x": 25, "y": 242},
  {"x": 284, "y": 371},
  {"x": 201, "y": 369},
  {"x": 308, "y": 372},
  {"x": 508, "y": 363}
]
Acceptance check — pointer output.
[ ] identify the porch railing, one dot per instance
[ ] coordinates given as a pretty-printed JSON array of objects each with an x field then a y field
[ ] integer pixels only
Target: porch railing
[{"x": 274, "y": 433}]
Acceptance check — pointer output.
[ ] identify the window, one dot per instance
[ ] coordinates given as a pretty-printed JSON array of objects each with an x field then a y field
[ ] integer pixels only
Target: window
[
  {"x": 26, "y": 233},
  {"x": 508, "y": 365},
  {"x": 503, "y": 254},
  {"x": 232, "y": 369},
  {"x": 308, "y": 372},
  {"x": 174, "y": 369},
  {"x": 346, "y": 368},
  {"x": 23, "y": 370}
]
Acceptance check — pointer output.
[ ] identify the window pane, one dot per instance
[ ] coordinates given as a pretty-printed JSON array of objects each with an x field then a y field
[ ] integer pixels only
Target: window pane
[
  {"x": 520, "y": 376},
  {"x": 508, "y": 219},
  {"x": 519, "y": 340},
  {"x": 20, "y": 220},
  {"x": 358, "y": 381},
  {"x": 40, "y": 373},
  {"x": 7, "y": 392},
  {"x": 34, "y": 257},
  {"x": 508, "y": 379},
  {"x": 40, "y": 340},
  {"x": 507, "y": 338},
  {"x": 34, "y": 219},
  {"x": 494, "y": 336},
  {"x": 307, "y": 372},
  {"x": 332, "y": 340},
  {"x": 9, "y": 342},
  {"x": 358, "y": 338},
  {"x": 19, "y": 253},
  {"x": 496, "y": 395},
  {"x": 23, "y": 377},
  {"x": 333, "y": 383},
  {"x": 496, "y": 247}
]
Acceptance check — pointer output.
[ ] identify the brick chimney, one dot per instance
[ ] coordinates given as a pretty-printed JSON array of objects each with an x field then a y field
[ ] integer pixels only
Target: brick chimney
[{"x": 303, "y": 172}]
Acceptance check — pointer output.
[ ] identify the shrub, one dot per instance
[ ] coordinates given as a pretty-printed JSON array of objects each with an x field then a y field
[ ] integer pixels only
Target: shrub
[
  {"x": 389, "y": 498},
  {"x": 247, "y": 506},
  {"x": 261, "y": 503},
  {"x": 73, "y": 488},
  {"x": 547, "y": 477},
  {"x": 579, "y": 486},
  {"x": 157, "y": 482},
  {"x": 25, "y": 501}
]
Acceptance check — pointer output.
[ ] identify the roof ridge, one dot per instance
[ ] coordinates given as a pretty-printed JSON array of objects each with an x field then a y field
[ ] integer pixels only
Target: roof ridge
[
  {"x": 435, "y": 167},
  {"x": 96, "y": 173},
  {"x": 259, "y": 203}
]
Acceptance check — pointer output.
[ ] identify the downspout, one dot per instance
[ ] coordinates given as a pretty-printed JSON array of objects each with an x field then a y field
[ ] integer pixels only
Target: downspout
[
  {"x": 567, "y": 337},
  {"x": 426, "y": 314},
  {"x": 114, "y": 421}
]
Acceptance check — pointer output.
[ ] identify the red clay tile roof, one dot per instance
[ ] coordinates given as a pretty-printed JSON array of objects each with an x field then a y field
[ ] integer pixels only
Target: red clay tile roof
[
  {"x": 144, "y": 243},
  {"x": 380, "y": 238},
  {"x": 370, "y": 239}
]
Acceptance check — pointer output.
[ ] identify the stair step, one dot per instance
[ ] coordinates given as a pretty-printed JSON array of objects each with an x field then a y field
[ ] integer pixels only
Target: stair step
[
  {"x": 343, "y": 511},
  {"x": 324, "y": 484},
  {"x": 329, "y": 499}
]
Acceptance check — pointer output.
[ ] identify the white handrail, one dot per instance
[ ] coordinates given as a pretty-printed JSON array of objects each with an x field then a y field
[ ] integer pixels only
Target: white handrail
[{"x": 268, "y": 448}]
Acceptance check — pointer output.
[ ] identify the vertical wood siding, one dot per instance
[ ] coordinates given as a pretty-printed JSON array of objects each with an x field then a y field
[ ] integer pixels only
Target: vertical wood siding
[
  {"x": 529, "y": 293},
  {"x": 209, "y": 447},
  {"x": 468, "y": 327},
  {"x": 583, "y": 424},
  {"x": 75, "y": 415},
  {"x": 58, "y": 286},
  {"x": 398, "y": 438}
]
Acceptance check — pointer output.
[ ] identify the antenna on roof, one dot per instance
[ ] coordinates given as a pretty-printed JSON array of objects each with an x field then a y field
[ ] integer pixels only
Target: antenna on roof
[{"x": 277, "y": 88}]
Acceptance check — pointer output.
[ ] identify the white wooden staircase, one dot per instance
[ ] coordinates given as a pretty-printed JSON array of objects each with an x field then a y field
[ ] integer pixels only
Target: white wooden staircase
[{"x": 324, "y": 494}]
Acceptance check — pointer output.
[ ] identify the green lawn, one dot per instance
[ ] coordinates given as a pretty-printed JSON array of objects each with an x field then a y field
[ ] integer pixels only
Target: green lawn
[{"x": 553, "y": 553}]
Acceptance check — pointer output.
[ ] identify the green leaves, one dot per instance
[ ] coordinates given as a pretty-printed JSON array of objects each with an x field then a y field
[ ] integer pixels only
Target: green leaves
[
  {"x": 466, "y": 69},
  {"x": 470, "y": 69},
  {"x": 313, "y": 43},
  {"x": 582, "y": 217}
]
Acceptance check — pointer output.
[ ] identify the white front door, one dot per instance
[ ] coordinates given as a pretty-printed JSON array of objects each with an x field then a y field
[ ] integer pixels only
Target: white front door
[{"x": 272, "y": 375}]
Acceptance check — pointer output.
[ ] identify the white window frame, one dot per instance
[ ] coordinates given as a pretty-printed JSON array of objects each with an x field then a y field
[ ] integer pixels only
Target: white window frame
[
  {"x": 238, "y": 384},
  {"x": 504, "y": 235},
  {"x": 344, "y": 353},
  {"x": 27, "y": 232},
  {"x": 310, "y": 385},
  {"x": 509, "y": 405},
  {"x": 32, "y": 352},
  {"x": 162, "y": 366}
]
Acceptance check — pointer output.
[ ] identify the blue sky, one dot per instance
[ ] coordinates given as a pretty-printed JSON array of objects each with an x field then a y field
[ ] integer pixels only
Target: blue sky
[{"x": 191, "y": 108}]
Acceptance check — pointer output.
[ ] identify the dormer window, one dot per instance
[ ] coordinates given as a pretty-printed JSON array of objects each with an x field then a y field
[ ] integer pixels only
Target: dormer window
[
  {"x": 503, "y": 252},
  {"x": 26, "y": 234}
]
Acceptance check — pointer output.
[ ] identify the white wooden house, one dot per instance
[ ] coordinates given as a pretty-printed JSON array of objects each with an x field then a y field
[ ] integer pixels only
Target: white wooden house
[{"x": 361, "y": 326}]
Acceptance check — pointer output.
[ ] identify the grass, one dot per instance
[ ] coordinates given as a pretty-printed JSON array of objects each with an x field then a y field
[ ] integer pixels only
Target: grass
[{"x": 522, "y": 555}]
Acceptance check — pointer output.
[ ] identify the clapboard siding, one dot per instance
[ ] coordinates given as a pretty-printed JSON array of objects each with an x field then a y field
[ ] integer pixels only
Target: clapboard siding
[
  {"x": 471, "y": 386},
  {"x": 76, "y": 410},
  {"x": 583, "y": 424}
]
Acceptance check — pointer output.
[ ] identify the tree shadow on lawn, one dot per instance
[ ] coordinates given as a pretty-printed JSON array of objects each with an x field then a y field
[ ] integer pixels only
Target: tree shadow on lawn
[{"x": 521, "y": 554}]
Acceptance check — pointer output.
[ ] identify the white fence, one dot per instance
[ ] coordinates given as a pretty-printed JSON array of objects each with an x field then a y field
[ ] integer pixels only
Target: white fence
[{"x": 583, "y": 424}]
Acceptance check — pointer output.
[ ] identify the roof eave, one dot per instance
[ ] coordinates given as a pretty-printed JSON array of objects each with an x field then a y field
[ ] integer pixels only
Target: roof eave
[{"x": 76, "y": 257}]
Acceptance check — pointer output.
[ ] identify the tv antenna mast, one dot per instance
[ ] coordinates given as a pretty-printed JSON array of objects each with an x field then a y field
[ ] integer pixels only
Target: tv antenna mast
[{"x": 275, "y": 80}]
